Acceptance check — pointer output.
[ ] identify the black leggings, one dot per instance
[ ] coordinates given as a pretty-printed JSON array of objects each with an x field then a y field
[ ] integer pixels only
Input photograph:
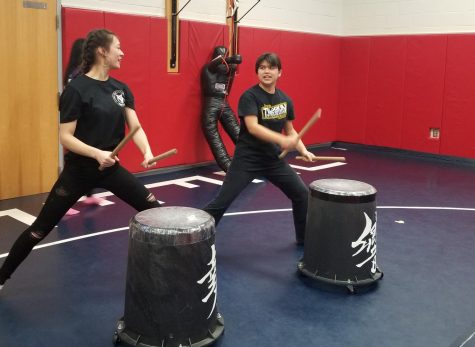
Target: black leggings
[
  {"x": 76, "y": 180},
  {"x": 281, "y": 175}
]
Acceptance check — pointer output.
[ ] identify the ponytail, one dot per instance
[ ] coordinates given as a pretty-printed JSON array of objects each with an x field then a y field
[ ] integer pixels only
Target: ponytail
[{"x": 95, "y": 39}]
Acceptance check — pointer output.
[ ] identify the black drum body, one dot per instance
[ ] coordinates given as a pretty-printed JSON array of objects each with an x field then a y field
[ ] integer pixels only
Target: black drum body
[
  {"x": 171, "y": 287},
  {"x": 340, "y": 238}
]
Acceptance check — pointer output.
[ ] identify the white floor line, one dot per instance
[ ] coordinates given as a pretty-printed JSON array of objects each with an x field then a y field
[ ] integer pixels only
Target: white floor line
[
  {"x": 467, "y": 340},
  {"x": 19, "y": 215},
  {"x": 259, "y": 211},
  {"x": 74, "y": 239},
  {"x": 340, "y": 149},
  {"x": 428, "y": 208},
  {"x": 238, "y": 214},
  {"x": 317, "y": 167}
]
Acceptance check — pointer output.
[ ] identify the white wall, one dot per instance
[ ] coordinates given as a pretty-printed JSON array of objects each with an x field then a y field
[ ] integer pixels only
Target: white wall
[
  {"x": 314, "y": 16},
  {"x": 143, "y": 7},
  {"x": 333, "y": 17},
  {"x": 383, "y": 17}
]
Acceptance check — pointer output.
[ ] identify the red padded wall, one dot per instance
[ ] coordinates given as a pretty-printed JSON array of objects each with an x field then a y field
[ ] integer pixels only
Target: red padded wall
[
  {"x": 76, "y": 24},
  {"x": 353, "y": 89},
  {"x": 176, "y": 102},
  {"x": 299, "y": 77},
  {"x": 385, "y": 91},
  {"x": 168, "y": 96},
  {"x": 424, "y": 91},
  {"x": 321, "y": 69},
  {"x": 246, "y": 75},
  {"x": 459, "y": 108},
  {"x": 412, "y": 83}
]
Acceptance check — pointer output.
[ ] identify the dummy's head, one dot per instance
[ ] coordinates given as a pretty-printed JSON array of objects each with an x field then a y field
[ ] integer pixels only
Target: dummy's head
[{"x": 220, "y": 51}]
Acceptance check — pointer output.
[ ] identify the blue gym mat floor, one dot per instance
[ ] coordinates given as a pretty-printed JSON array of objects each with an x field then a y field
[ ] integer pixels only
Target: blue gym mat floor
[{"x": 70, "y": 291}]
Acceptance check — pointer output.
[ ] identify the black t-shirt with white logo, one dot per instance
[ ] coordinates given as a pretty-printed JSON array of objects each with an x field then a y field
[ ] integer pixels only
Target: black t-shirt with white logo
[
  {"x": 98, "y": 108},
  {"x": 272, "y": 111}
]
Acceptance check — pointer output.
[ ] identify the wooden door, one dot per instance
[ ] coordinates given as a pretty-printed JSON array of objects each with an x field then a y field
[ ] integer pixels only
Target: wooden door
[{"x": 28, "y": 97}]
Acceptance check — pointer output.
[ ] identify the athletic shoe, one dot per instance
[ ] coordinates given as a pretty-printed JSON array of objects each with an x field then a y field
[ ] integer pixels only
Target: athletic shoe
[
  {"x": 71, "y": 212},
  {"x": 93, "y": 200}
]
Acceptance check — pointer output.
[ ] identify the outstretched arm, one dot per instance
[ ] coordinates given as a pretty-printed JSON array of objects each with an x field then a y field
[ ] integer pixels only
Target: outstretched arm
[{"x": 140, "y": 138}]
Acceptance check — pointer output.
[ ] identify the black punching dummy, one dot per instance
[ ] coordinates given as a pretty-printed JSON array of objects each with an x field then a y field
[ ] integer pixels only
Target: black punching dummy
[{"x": 216, "y": 81}]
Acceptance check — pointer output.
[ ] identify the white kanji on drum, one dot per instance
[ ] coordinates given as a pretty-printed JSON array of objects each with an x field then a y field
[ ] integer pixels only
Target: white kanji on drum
[
  {"x": 367, "y": 241},
  {"x": 212, "y": 281}
]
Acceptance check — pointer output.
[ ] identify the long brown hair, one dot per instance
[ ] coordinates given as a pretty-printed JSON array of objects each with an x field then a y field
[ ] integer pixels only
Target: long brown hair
[
  {"x": 95, "y": 39},
  {"x": 75, "y": 61}
]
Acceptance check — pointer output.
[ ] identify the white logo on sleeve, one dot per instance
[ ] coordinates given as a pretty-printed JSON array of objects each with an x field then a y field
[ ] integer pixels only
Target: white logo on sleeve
[{"x": 118, "y": 97}]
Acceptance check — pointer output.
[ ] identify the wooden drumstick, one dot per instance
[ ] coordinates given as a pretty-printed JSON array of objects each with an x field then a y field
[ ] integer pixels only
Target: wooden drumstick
[
  {"x": 302, "y": 132},
  {"x": 163, "y": 156},
  {"x": 122, "y": 144},
  {"x": 323, "y": 158}
]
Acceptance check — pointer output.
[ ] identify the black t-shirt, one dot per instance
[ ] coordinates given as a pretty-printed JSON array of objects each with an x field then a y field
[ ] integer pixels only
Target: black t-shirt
[
  {"x": 98, "y": 108},
  {"x": 272, "y": 111}
]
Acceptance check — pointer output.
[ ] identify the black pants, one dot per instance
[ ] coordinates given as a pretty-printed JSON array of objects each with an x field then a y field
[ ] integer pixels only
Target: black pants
[
  {"x": 77, "y": 179},
  {"x": 280, "y": 174}
]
